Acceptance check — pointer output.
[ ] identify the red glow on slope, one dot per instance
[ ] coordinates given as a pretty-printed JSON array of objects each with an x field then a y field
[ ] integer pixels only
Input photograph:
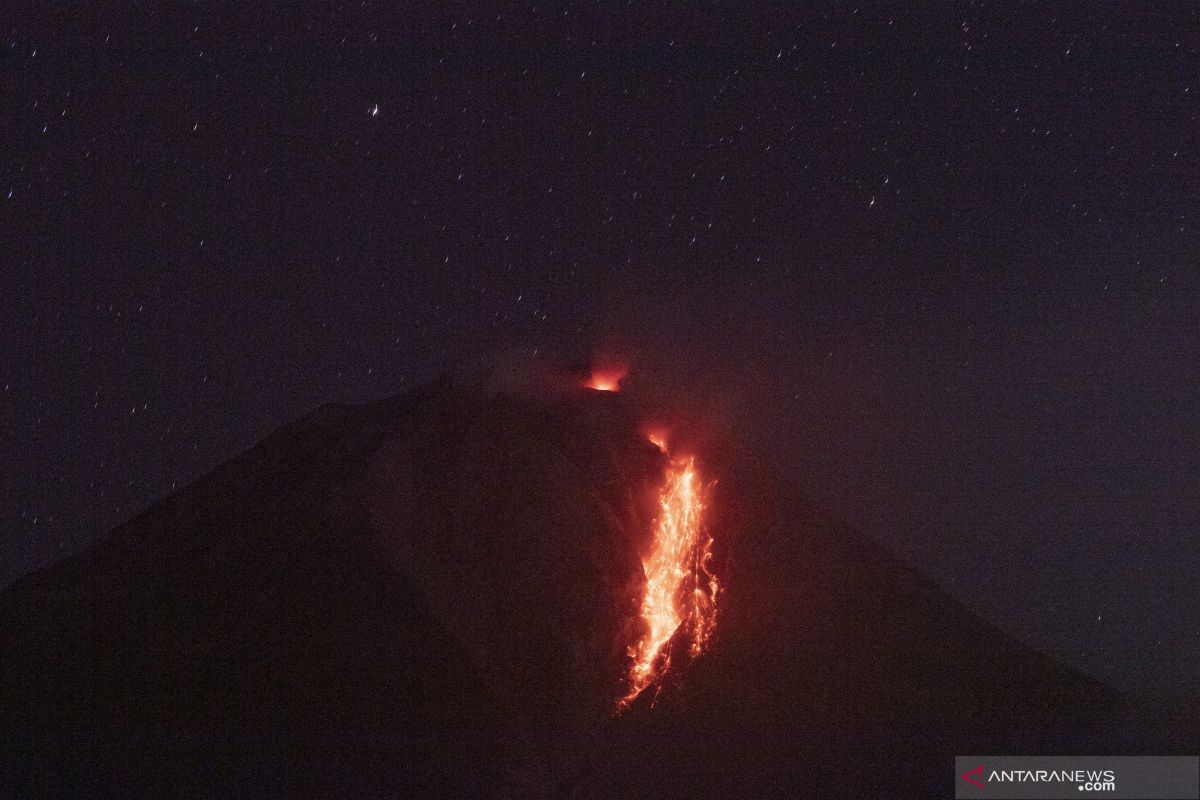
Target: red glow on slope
[{"x": 681, "y": 590}]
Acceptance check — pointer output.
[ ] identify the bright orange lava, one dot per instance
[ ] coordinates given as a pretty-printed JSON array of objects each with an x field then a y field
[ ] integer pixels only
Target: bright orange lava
[
  {"x": 681, "y": 590},
  {"x": 607, "y": 379}
]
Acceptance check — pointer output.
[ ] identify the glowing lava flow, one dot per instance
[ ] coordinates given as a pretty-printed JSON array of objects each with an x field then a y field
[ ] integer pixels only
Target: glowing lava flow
[{"x": 681, "y": 591}]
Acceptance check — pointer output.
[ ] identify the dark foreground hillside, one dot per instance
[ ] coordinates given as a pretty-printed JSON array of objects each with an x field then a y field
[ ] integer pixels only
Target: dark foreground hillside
[{"x": 434, "y": 596}]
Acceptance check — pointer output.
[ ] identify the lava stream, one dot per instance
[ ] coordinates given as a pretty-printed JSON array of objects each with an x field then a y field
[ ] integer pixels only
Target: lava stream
[{"x": 681, "y": 590}]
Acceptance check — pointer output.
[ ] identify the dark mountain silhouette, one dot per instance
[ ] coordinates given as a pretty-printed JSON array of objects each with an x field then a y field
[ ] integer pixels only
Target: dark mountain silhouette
[{"x": 434, "y": 596}]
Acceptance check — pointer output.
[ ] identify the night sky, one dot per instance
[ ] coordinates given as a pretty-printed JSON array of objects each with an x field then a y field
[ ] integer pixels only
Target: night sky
[{"x": 940, "y": 270}]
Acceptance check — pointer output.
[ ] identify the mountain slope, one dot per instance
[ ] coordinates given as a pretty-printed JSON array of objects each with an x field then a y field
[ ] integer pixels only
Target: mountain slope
[{"x": 435, "y": 595}]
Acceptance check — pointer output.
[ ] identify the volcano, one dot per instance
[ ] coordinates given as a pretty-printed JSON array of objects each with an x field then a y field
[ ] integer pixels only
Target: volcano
[{"x": 442, "y": 595}]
